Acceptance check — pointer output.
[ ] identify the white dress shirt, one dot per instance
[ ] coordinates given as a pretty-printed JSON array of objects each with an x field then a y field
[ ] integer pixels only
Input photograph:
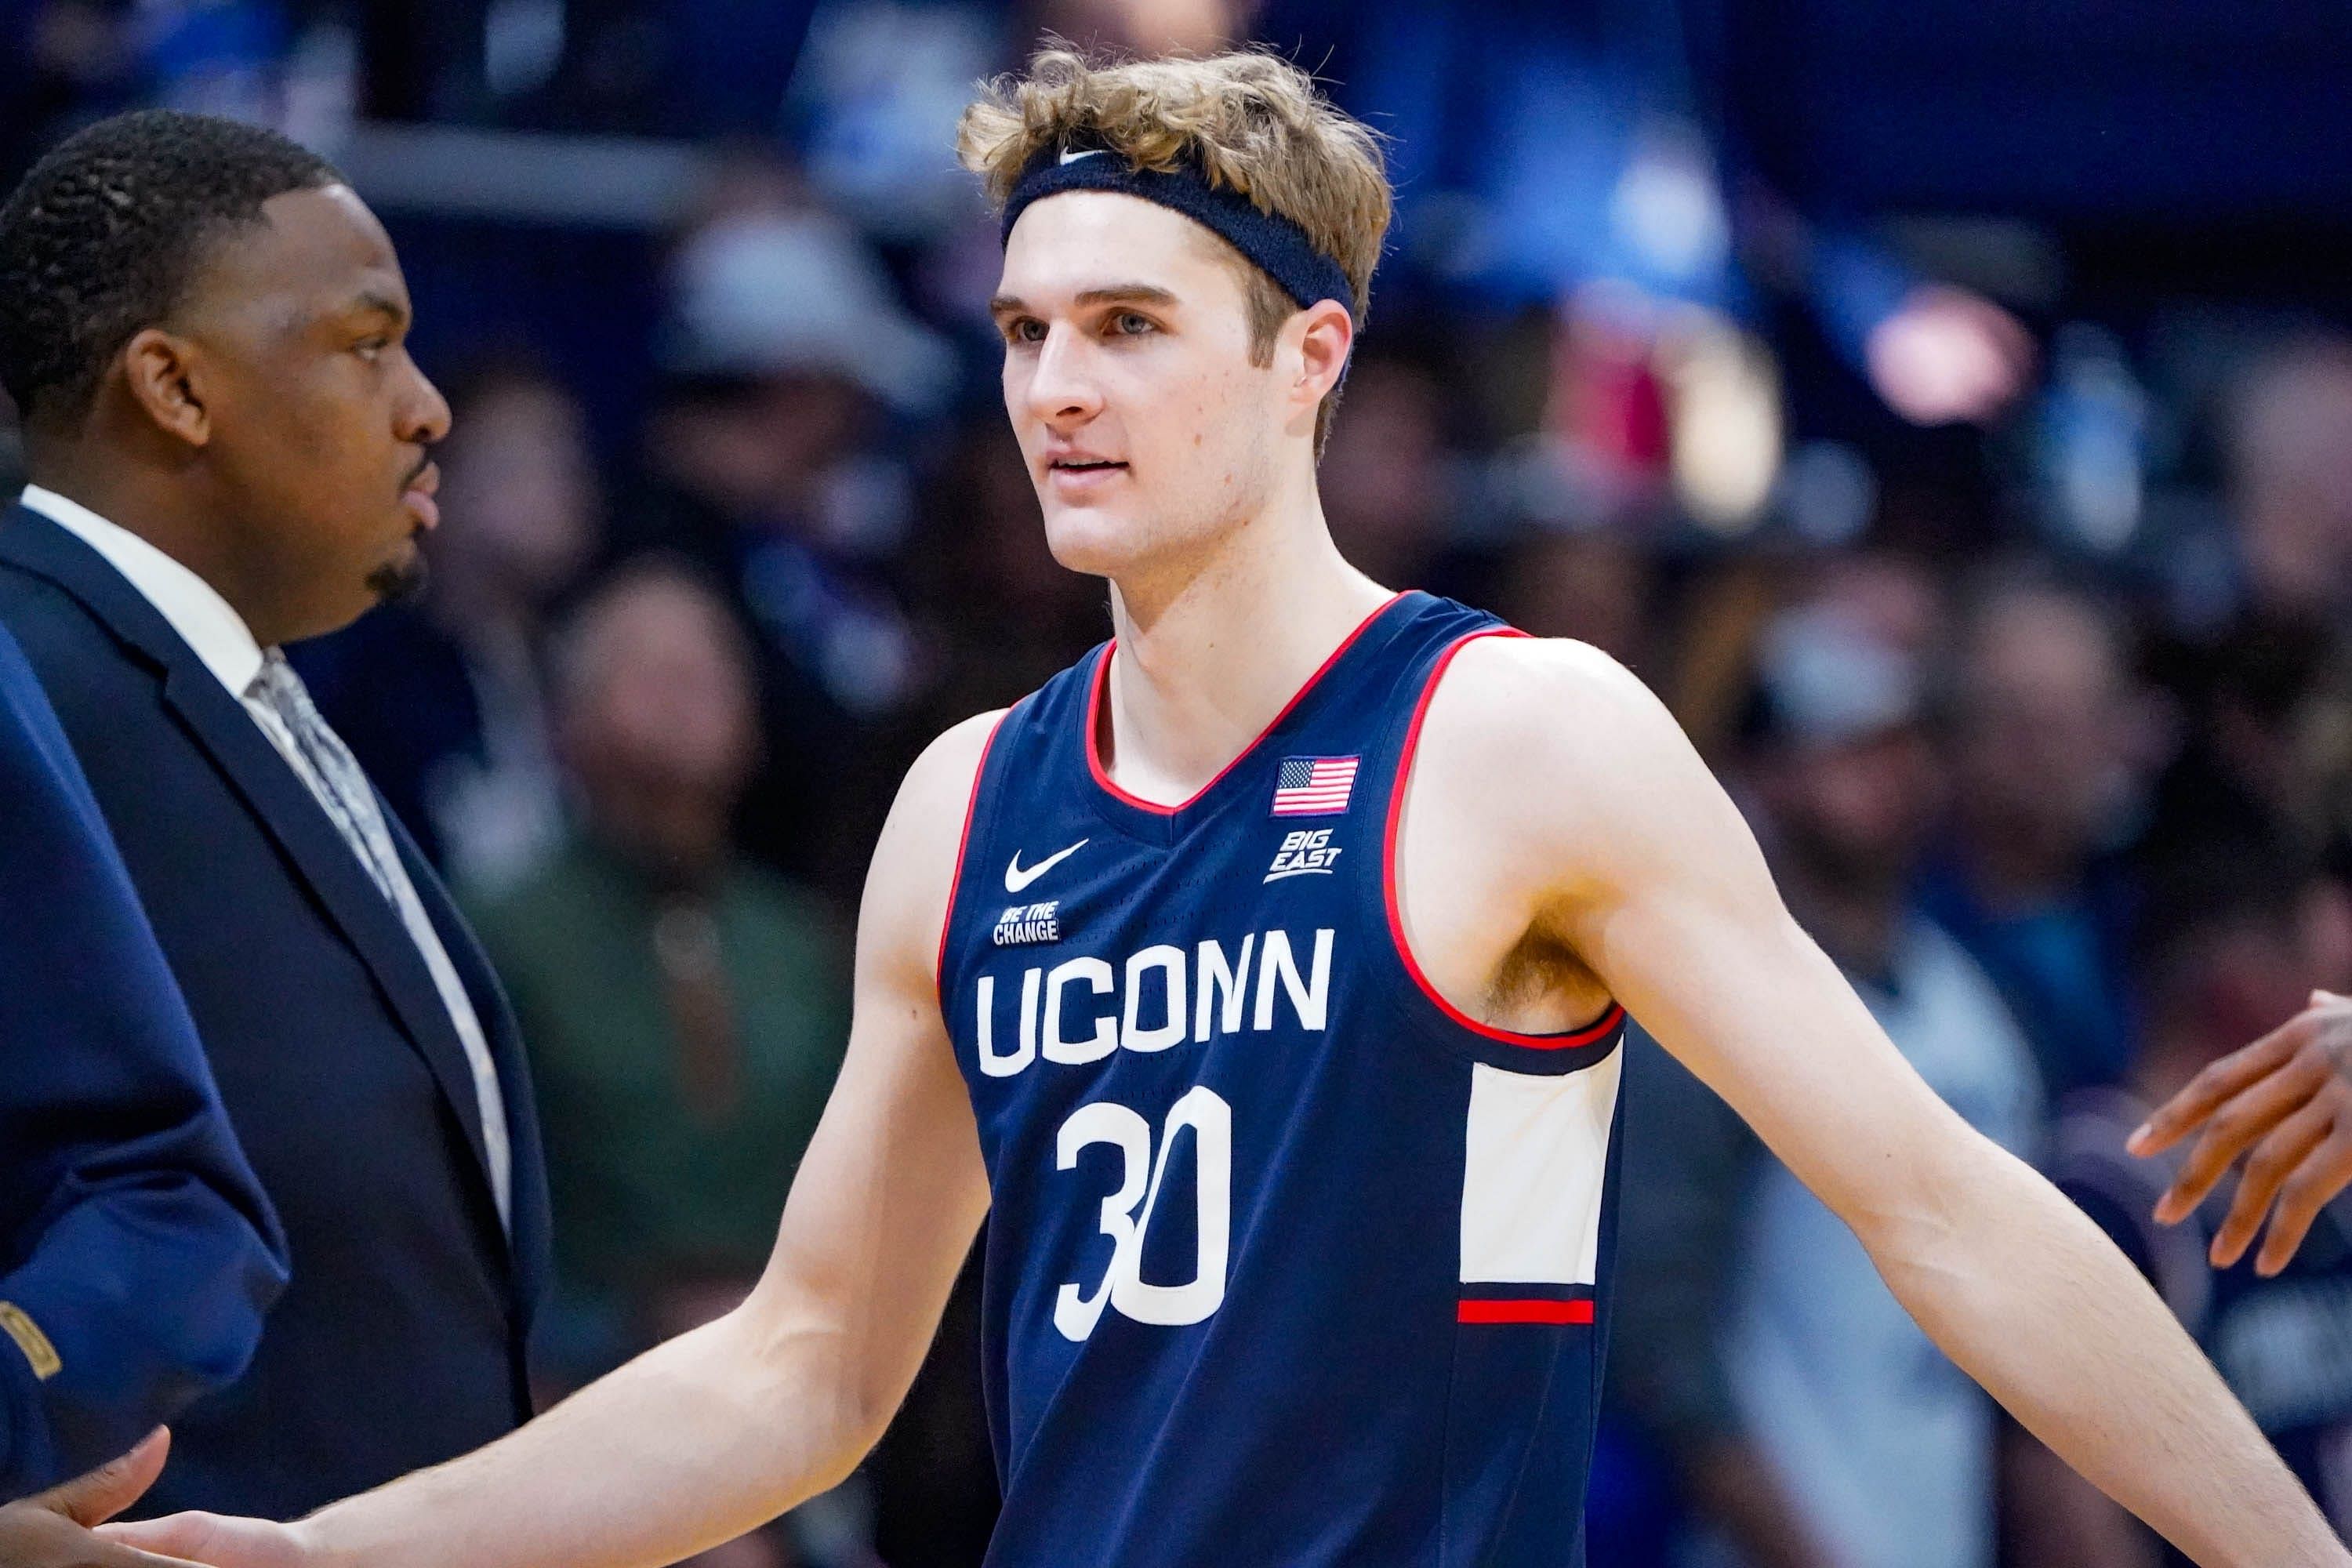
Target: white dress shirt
[{"x": 220, "y": 637}]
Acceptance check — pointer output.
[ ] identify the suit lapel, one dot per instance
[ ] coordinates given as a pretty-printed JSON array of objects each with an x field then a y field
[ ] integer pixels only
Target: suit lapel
[
  {"x": 275, "y": 796},
  {"x": 528, "y": 1195}
]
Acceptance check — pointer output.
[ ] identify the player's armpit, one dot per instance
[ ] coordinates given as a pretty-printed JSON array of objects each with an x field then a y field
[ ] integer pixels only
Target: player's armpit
[{"x": 1629, "y": 850}]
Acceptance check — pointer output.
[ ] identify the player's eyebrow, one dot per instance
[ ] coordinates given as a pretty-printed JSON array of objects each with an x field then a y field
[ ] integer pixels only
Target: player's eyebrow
[
  {"x": 1127, "y": 294},
  {"x": 375, "y": 301},
  {"x": 1008, "y": 305}
]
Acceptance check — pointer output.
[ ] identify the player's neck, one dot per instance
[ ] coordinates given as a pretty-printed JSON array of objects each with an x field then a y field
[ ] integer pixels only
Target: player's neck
[{"x": 1206, "y": 661}]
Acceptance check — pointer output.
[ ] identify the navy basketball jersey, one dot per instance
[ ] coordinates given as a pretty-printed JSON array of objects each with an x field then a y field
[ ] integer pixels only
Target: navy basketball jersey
[{"x": 1290, "y": 1262}]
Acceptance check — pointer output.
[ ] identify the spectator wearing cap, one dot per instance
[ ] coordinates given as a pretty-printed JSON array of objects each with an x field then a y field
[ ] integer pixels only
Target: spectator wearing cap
[
  {"x": 1774, "y": 1361},
  {"x": 784, "y": 352}
]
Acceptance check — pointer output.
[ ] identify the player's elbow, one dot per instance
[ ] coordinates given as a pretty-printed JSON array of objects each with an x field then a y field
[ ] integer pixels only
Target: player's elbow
[{"x": 794, "y": 1353}]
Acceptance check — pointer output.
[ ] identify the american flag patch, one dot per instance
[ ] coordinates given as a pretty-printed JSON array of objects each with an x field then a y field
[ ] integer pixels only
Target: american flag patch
[{"x": 1313, "y": 786}]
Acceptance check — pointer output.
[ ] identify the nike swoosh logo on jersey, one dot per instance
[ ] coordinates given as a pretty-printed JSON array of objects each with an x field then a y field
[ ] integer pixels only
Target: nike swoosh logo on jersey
[{"x": 1016, "y": 878}]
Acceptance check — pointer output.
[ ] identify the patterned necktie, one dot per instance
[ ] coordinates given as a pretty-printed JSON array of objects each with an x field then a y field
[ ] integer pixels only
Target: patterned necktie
[
  {"x": 334, "y": 777},
  {"x": 346, "y": 794}
]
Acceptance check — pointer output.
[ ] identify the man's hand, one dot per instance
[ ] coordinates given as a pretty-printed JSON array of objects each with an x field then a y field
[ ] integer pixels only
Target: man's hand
[
  {"x": 211, "y": 1539},
  {"x": 52, "y": 1530},
  {"x": 2288, "y": 1098}
]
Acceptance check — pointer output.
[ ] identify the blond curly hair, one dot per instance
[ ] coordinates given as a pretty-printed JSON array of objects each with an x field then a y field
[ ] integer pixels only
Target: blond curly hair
[{"x": 1249, "y": 120}]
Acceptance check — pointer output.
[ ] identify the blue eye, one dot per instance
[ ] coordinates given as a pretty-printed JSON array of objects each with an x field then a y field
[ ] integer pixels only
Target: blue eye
[{"x": 1132, "y": 324}]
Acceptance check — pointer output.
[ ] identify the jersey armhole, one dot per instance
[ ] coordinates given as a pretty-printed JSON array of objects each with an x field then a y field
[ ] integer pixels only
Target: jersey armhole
[
  {"x": 1601, "y": 1028},
  {"x": 964, "y": 847}
]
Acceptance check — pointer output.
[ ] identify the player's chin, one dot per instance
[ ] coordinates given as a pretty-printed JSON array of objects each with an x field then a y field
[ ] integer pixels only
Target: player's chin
[
  {"x": 1094, "y": 539},
  {"x": 401, "y": 576}
]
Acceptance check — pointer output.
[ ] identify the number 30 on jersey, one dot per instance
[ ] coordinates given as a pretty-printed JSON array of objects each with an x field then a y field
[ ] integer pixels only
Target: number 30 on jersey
[{"x": 1076, "y": 1311}]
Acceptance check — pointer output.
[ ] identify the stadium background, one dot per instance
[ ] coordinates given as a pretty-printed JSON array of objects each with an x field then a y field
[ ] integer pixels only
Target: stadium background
[{"x": 1946, "y": 406}]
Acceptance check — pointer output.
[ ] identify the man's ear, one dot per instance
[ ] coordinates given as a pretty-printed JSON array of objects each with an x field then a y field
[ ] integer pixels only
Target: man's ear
[
  {"x": 161, "y": 372},
  {"x": 1326, "y": 333}
]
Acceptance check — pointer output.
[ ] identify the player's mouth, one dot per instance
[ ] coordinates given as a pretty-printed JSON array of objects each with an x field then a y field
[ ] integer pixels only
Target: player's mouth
[
  {"x": 418, "y": 496},
  {"x": 1080, "y": 476}
]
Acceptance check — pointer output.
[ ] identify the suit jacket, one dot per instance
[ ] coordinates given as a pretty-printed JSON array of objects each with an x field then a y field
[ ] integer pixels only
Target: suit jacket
[
  {"x": 399, "y": 1339},
  {"x": 137, "y": 1253}
]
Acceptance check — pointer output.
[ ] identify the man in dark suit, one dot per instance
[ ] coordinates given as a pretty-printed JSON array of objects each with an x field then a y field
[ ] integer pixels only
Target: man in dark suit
[
  {"x": 137, "y": 1253},
  {"x": 229, "y": 450}
]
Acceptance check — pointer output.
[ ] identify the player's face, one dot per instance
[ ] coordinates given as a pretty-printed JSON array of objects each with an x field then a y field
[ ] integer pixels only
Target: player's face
[
  {"x": 1148, "y": 432},
  {"x": 319, "y": 422}
]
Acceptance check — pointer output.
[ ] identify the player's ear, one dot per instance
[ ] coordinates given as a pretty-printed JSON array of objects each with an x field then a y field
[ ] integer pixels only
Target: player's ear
[
  {"x": 1317, "y": 342},
  {"x": 159, "y": 372},
  {"x": 1327, "y": 332}
]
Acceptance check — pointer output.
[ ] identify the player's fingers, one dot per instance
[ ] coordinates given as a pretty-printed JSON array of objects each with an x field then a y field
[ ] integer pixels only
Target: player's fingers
[
  {"x": 2324, "y": 1172},
  {"x": 100, "y": 1494},
  {"x": 2267, "y": 1168},
  {"x": 2214, "y": 1088},
  {"x": 2242, "y": 1120}
]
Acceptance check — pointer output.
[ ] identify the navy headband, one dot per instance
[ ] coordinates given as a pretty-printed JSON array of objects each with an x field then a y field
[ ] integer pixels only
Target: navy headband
[{"x": 1279, "y": 246}]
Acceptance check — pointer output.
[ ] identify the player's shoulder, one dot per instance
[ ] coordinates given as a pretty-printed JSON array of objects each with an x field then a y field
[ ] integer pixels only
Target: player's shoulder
[
  {"x": 912, "y": 878},
  {"x": 1551, "y": 694},
  {"x": 951, "y": 762},
  {"x": 934, "y": 796},
  {"x": 1550, "y": 740}
]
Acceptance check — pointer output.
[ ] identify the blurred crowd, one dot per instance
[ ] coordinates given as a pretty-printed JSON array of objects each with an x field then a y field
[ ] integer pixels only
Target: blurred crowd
[{"x": 2003, "y": 572}]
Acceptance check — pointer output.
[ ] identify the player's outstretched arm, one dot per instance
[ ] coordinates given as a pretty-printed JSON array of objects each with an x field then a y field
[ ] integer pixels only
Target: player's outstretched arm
[
  {"x": 1653, "y": 879},
  {"x": 2285, "y": 1103},
  {"x": 721, "y": 1429}
]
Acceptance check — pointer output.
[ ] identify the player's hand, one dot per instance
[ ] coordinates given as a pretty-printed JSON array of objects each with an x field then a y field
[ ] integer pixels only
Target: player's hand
[
  {"x": 221, "y": 1542},
  {"x": 2287, "y": 1098},
  {"x": 53, "y": 1529}
]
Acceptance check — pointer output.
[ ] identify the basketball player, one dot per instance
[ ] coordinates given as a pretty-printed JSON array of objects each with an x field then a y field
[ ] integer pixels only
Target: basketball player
[{"x": 1264, "y": 976}]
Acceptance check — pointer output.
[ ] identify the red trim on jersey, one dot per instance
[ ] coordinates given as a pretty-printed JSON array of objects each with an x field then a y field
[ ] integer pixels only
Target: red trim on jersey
[
  {"x": 1102, "y": 681},
  {"x": 1593, "y": 1031},
  {"x": 1524, "y": 1312},
  {"x": 955, "y": 883}
]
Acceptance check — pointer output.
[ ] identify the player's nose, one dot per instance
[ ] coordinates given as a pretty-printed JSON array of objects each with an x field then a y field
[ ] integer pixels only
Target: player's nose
[{"x": 1062, "y": 387}]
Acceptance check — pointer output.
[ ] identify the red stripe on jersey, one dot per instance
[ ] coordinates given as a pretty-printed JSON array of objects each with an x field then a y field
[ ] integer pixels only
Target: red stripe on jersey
[
  {"x": 955, "y": 878},
  {"x": 1525, "y": 1312},
  {"x": 1098, "y": 689},
  {"x": 1600, "y": 1027}
]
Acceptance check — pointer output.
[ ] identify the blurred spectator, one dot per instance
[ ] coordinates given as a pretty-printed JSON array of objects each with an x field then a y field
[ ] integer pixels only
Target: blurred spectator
[
  {"x": 2047, "y": 744},
  {"x": 2265, "y": 757},
  {"x": 2235, "y": 936},
  {"x": 1385, "y": 480},
  {"x": 63, "y": 63},
  {"x": 1006, "y": 614},
  {"x": 1820, "y": 1424},
  {"x": 685, "y": 1011},
  {"x": 444, "y": 701},
  {"x": 1886, "y": 1445},
  {"x": 1590, "y": 584},
  {"x": 786, "y": 347},
  {"x": 2289, "y": 454}
]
